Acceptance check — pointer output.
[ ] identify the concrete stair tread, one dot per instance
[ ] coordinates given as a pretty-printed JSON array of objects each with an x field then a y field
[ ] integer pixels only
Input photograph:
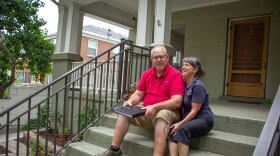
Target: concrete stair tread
[
  {"x": 235, "y": 125},
  {"x": 138, "y": 139},
  {"x": 233, "y": 137},
  {"x": 206, "y": 143},
  {"x": 230, "y": 137},
  {"x": 87, "y": 149}
]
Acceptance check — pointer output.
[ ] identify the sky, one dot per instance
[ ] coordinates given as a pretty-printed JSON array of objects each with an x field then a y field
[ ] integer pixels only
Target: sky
[{"x": 50, "y": 14}]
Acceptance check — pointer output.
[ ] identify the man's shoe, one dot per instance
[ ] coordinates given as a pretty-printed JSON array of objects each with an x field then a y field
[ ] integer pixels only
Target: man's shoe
[{"x": 109, "y": 152}]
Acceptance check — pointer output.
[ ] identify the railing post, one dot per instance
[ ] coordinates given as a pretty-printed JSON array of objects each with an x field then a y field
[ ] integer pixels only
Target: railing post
[
  {"x": 119, "y": 89},
  {"x": 125, "y": 77}
]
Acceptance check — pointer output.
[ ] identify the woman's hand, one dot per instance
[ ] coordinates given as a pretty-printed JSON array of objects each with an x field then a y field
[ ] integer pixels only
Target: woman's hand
[{"x": 175, "y": 127}]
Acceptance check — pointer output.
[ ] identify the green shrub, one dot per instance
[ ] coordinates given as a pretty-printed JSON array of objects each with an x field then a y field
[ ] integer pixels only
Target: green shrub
[{"x": 43, "y": 120}]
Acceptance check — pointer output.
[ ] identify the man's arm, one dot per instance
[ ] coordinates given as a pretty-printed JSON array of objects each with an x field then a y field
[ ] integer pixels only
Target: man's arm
[
  {"x": 135, "y": 98},
  {"x": 173, "y": 103}
]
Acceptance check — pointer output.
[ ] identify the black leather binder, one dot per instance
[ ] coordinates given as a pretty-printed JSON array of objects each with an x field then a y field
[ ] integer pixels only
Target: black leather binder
[{"x": 130, "y": 111}]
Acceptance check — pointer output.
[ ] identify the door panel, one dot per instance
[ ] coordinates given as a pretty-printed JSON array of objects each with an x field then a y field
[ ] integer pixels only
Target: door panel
[{"x": 248, "y": 57}]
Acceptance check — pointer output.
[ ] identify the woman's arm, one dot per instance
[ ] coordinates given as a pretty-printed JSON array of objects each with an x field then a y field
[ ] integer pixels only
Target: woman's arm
[{"x": 195, "y": 109}]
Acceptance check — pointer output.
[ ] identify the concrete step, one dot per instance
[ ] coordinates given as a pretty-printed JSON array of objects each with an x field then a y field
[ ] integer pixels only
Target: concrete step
[
  {"x": 133, "y": 144},
  {"x": 226, "y": 143},
  {"x": 109, "y": 121},
  {"x": 87, "y": 149},
  {"x": 216, "y": 142},
  {"x": 242, "y": 126},
  {"x": 235, "y": 125},
  {"x": 83, "y": 149}
]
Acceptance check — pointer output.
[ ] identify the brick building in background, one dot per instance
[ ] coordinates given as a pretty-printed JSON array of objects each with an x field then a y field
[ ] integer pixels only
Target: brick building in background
[{"x": 94, "y": 41}]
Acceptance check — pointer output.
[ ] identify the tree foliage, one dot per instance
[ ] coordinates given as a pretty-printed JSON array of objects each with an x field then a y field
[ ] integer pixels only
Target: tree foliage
[{"x": 22, "y": 41}]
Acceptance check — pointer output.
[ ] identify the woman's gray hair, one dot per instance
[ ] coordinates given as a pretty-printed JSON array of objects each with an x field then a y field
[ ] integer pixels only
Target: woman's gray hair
[{"x": 193, "y": 61}]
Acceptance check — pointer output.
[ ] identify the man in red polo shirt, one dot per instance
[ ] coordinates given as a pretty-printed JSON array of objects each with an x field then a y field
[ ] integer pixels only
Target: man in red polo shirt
[{"x": 161, "y": 88}]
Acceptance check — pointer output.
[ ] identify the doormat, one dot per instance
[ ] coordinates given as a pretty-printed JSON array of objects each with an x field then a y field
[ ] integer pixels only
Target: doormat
[{"x": 248, "y": 102}]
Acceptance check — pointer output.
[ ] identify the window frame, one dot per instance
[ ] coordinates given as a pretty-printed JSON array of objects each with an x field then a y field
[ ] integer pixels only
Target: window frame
[{"x": 91, "y": 47}]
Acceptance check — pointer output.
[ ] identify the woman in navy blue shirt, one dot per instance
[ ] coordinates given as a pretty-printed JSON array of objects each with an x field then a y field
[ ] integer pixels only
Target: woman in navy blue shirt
[{"x": 198, "y": 119}]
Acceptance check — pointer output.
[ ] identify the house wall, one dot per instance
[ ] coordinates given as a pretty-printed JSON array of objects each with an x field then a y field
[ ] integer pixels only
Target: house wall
[
  {"x": 102, "y": 46},
  {"x": 206, "y": 35}
]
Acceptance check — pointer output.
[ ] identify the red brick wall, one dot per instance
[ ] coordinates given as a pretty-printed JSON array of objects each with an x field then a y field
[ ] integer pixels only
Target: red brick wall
[
  {"x": 102, "y": 46},
  {"x": 84, "y": 48}
]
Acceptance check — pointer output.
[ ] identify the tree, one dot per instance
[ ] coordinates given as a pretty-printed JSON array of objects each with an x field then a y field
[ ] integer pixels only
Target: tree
[{"x": 22, "y": 41}]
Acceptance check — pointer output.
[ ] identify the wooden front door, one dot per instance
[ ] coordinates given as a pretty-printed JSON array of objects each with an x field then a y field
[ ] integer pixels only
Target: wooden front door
[{"x": 248, "y": 57}]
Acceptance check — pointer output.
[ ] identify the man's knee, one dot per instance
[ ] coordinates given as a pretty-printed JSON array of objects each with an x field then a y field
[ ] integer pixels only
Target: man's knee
[
  {"x": 123, "y": 119},
  {"x": 168, "y": 116}
]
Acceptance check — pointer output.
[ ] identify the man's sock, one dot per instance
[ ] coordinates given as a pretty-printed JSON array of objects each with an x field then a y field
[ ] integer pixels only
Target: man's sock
[{"x": 114, "y": 148}]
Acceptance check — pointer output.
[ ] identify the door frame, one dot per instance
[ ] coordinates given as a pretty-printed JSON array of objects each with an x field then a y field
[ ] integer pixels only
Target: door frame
[{"x": 231, "y": 38}]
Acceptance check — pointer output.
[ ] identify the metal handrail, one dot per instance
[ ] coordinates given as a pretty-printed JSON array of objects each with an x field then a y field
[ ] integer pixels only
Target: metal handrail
[
  {"x": 129, "y": 56},
  {"x": 268, "y": 143}
]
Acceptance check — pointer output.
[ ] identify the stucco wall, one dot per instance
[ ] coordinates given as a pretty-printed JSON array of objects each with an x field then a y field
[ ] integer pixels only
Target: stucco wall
[{"x": 206, "y": 35}]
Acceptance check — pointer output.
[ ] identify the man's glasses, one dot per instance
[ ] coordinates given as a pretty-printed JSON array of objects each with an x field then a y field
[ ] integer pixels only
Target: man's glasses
[{"x": 160, "y": 57}]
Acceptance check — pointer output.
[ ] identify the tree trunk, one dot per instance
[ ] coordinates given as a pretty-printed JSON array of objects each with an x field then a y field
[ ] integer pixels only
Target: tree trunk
[
  {"x": 2, "y": 91},
  {"x": 3, "y": 87}
]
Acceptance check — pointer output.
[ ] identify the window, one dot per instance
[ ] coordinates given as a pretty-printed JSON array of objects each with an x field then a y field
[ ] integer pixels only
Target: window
[
  {"x": 92, "y": 47},
  {"x": 177, "y": 58},
  {"x": 20, "y": 77},
  {"x": 53, "y": 41}
]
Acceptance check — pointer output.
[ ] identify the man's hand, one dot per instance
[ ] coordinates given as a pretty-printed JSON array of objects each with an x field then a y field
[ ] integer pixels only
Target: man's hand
[
  {"x": 151, "y": 111},
  {"x": 135, "y": 98},
  {"x": 128, "y": 103}
]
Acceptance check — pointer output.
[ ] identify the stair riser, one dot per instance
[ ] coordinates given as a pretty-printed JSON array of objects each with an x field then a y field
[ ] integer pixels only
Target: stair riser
[
  {"x": 70, "y": 151},
  {"x": 206, "y": 143},
  {"x": 110, "y": 122},
  {"x": 128, "y": 147},
  {"x": 222, "y": 147},
  {"x": 222, "y": 123},
  {"x": 238, "y": 125}
]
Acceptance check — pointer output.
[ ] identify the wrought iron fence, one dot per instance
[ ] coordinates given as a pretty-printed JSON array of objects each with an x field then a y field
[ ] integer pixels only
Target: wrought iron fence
[{"x": 75, "y": 101}]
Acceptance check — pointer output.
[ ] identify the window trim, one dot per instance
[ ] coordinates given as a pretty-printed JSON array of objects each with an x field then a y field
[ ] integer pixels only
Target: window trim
[{"x": 96, "y": 48}]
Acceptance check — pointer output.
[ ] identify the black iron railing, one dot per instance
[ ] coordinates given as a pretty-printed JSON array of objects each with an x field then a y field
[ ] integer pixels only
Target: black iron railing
[
  {"x": 75, "y": 101},
  {"x": 268, "y": 143}
]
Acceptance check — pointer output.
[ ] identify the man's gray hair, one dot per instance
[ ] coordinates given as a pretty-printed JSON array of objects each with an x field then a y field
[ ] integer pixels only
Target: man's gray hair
[{"x": 161, "y": 47}]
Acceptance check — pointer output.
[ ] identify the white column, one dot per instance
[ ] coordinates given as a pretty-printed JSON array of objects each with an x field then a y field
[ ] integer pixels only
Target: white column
[
  {"x": 61, "y": 28},
  {"x": 68, "y": 45},
  {"x": 68, "y": 41},
  {"x": 144, "y": 23},
  {"x": 162, "y": 23},
  {"x": 73, "y": 29}
]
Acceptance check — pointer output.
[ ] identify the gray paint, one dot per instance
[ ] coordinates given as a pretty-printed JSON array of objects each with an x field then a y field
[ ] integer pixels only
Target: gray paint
[{"x": 206, "y": 36}]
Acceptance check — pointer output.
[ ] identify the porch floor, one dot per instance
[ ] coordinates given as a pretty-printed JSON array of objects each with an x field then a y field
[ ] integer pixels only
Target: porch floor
[{"x": 240, "y": 109}]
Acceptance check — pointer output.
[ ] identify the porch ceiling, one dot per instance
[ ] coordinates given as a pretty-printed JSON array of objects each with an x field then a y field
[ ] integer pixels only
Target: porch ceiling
[{"x": 124, "y": 12}]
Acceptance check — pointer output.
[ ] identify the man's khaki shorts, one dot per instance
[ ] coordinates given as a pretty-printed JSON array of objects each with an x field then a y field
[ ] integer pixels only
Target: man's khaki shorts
[{"x": 167, "y": 115}]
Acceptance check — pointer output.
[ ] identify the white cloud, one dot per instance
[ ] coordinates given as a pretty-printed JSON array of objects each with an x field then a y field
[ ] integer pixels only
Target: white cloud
[{"x": 50, "y": 14}]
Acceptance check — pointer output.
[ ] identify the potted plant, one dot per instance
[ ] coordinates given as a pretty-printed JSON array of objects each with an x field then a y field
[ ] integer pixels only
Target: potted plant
[
  {"x": 132, "y": 89},
  {"x": 60, "y": 137}
]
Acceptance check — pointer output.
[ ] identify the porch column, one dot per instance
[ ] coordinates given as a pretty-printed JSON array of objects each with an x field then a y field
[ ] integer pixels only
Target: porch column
[
  {"x": 162, "y": 25},
  {"x": 69, "y": 35},
  {"x": 144, "y": 23},
  {"x": 67, "y": 46}
]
